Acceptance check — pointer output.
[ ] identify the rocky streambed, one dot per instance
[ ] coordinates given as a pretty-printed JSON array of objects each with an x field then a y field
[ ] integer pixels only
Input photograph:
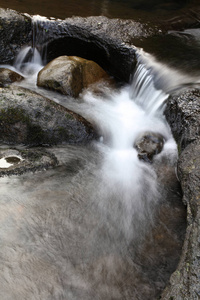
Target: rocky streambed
[{"x": 31, "y": 119}]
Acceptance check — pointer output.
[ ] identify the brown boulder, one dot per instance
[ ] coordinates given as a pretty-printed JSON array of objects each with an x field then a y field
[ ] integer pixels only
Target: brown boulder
[{"x": 69, "y": 75}]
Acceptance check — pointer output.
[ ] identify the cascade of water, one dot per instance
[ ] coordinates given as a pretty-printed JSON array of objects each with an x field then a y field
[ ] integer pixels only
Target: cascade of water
[
  {"x": 143, "y": 91},
  {"x": 30, "y": 59},
  {"x": 123, "y": 117}
]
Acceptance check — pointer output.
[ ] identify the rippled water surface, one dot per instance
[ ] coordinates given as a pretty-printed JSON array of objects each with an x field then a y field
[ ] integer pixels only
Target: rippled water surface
[{"x": 151, "y": 10}]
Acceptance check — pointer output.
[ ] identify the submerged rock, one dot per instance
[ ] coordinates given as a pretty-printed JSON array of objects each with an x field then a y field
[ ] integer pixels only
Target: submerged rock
[
  {"x": 8, "y": 76},
  {"x": 148, "y": 145},
  {"x": 31, "y": 119},
  {"x": 70, "y": 75}
]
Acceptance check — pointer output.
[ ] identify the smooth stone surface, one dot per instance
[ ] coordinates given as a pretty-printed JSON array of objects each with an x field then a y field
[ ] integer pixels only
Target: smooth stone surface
[
  {"x": 69, "y": 75},
  {"x": 29, "y": 118}
]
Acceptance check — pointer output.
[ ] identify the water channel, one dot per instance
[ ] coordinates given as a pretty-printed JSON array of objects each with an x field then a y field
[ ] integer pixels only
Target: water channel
[{"x": 102, "y": 224}]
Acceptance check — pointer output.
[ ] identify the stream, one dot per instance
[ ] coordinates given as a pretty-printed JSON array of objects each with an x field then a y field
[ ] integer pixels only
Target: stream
[{"x": 103, "y": 224}]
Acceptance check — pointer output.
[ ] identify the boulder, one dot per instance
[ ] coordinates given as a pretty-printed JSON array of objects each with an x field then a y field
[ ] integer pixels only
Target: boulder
[
  {"x": 15, "y": 31},
  {"x": 70, "y": 75},
  {"x": 103, "y": 40},
  {"x": 31, "y": 119},
  {"x": 183, "y": 114},
  {"x": 8, "y": 76},
  {"x": 148, "y": 145}
]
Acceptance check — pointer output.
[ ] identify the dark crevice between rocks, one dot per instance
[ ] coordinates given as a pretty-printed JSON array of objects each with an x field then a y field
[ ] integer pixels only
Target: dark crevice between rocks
[{"x": 106, "y": 56}]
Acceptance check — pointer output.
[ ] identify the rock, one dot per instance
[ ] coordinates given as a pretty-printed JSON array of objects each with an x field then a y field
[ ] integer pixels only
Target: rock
[
  {"x": 15, "y": 31},
  {"x": 183, "y": 115},
  {"x": 70, "y": 75},
  {"x": 184, "y": 282},
  {"x": 26, "y": 160},
  {"x": 103, "y": 40},
  {"x": 148, "y": 145},
  {"x": 8, "y": 76},
  {"x": 31, "y": 119}
]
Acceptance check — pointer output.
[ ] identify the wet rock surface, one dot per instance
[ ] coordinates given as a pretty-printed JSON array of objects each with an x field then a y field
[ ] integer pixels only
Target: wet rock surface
[
  {"x": 148, "y": 145},
  {"x": 69, "y": 75},
  {"x": 184, "y": 283},
  {"x": 183, "y": 115},
  {"x": 103, "y": 40},
  {"x": 15, "y": 31},
  {"x": 26, "y": 160},
  {"x": 28, "y": 118},
  {"x": 8, "y": 76}
]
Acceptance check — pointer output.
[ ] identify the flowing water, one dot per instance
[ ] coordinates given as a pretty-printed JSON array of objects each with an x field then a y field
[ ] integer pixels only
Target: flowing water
[{"x": 103, "y": 224}]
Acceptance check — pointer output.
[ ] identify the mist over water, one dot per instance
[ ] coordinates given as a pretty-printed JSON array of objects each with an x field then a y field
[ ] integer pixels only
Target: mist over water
[{"x": 93, "y": 228}]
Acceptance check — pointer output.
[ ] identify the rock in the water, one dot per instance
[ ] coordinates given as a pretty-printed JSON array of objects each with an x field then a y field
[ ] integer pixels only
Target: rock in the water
[
  {"x": 18, "y": 161},
  {"x": 184, "y": 282},
  {"x": 8, "y": 76},
  {"x": 31, "y": 119},
  {"x": 183, "y": 114},
  {"x": 70, "y": 75},
  {"x": 148, "y": 145}
]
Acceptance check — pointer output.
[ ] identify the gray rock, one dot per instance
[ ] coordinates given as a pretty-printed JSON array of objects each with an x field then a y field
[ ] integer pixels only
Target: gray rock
[
  {"x": 148, "y": 145},
  {"x": 103, "y": 40},
  {"x": 183, "y": 114},
  {"x": 15, "y": 31},
  {"x": 8, "y": 76},
  {"x": 70, "y": 75},
  {"x": 28, "y": 118}
]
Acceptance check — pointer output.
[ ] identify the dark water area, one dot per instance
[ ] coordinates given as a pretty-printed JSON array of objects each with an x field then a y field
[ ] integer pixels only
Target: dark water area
[{"x": 144, "y": 10}]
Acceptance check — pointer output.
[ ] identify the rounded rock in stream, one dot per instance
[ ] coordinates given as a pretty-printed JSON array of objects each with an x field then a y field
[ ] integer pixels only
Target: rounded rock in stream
[
  {"x": 69, "y": 75},
  {"x": 148, "y": 145},
  {"x": 8, "y": 76},
  {"x": 30, "y": 119}
]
